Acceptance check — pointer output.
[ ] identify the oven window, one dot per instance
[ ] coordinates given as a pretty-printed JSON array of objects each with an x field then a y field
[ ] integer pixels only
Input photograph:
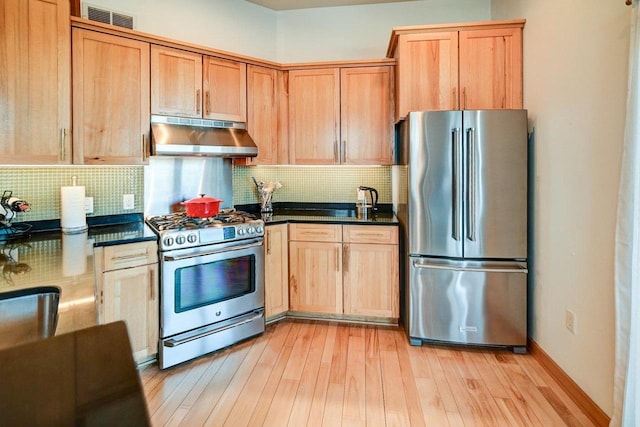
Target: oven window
[{"x": 205, "y": 284}]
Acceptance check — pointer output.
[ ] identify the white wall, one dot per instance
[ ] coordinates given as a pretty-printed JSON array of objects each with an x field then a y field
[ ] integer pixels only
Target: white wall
[
  {"x": 319, "y": 34},
  {"x": 362, "y": 32},
  {"x": 232, "y": 25},
  {"x": 575, "y": 68}
]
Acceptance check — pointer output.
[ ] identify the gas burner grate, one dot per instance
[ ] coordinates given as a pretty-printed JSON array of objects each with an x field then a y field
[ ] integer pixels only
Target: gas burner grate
[
  {"x": 234, "y": 217},
  {"x": 180, "y": 220}
]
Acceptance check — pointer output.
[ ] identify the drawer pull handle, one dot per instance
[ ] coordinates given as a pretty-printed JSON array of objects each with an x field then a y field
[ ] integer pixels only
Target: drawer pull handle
[{"x": 132, "y": 256}]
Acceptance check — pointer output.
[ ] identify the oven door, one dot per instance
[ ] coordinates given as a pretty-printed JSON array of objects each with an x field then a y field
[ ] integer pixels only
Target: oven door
[{"x": 205, "y": 285}]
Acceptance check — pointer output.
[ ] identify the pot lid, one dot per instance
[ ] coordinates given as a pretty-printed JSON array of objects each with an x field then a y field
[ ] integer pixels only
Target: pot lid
[{"x": 201, "y": 199}]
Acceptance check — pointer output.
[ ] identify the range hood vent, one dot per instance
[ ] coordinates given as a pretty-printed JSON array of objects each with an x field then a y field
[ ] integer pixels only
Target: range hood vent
[{"x": 178, "y": 136}]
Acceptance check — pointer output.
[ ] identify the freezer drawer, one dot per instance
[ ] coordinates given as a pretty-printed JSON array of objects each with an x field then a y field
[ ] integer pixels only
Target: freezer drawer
[{"x": 468, "y": 302}]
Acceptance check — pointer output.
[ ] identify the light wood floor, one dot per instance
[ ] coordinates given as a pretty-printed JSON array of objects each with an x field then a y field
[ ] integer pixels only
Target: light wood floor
[{"x": 303, "y": 373}]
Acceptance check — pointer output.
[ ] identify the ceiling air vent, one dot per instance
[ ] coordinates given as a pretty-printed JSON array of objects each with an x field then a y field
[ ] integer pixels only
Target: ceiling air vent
[{"x": 106, "y": 16}]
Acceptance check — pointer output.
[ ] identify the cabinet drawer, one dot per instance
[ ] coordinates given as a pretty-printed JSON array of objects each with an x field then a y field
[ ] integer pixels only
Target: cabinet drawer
[
  {"x": 315, "y": 232},
  {"x": 370, "y": 234},
  {"x": 130, "y": 255}
]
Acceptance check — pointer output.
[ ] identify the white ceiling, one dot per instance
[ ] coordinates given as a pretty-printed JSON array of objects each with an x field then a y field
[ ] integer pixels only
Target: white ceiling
[{"x": 306, "y": 4}]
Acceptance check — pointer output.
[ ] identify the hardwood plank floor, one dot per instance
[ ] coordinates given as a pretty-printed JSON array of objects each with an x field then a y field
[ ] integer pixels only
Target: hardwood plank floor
[{"x": 306, "y": 373}]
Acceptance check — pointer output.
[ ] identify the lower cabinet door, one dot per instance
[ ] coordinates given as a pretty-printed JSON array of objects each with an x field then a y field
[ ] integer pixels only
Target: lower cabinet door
[
  {"x": 371, "y": 280},
  {"x": 131, "y": 294},
  {"x": 276, "y": 266},
  {"x": 315, "y": 277}
]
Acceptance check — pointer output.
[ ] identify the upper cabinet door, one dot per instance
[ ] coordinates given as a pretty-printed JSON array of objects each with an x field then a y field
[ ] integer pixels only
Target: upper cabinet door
[
  {"x": 491, "y": 69},
  {"x": 176, "y": 82},
  {"x": 427, "y": 72},
  {"x": 263, "y": 113},
  {"x": 314, "y": 116},
  {"x": 366, "y": 116},
  {"x": 110, "y": 99},
  {"x": 225, "y": 89},
  {"x": 35, "y": 79}
]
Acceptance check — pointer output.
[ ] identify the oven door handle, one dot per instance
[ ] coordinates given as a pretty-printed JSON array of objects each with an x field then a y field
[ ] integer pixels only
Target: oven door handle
[
  {"x": 177, "y": 342},
  {"x": 213, "y": 252}
]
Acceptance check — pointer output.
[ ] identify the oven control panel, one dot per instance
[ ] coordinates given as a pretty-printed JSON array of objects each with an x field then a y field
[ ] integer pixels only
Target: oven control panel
[{"x": 177, "y": 239}]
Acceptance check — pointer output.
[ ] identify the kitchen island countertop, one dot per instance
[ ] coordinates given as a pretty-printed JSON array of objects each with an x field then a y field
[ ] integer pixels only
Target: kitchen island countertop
[{"x": 51, "y": 258}]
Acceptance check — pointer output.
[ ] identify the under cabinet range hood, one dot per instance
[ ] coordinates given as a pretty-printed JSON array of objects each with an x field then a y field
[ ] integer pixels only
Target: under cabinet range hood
[{"x": 179, "y": 136}]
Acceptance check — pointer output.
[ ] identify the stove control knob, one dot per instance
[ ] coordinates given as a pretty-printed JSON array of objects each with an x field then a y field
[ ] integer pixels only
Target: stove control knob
[
  {"x": 259, "y": 229},
  {"x": 180, "y": 240},
  {"x": 168, "y": 241},
  {"x": 251, "y": 230},
  {"x": 192, "y": 238},
  {"x": 240, "y": 231}
]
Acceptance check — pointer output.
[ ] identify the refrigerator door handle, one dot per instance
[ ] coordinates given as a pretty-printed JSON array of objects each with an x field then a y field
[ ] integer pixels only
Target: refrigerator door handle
[
  {"x": 472, "y": 171},
  {"x": 457, "y": 222},
  {"x": 417, "y": 264}
]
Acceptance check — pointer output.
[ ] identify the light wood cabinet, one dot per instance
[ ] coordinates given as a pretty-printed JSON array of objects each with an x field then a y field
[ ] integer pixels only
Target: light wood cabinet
[
  {"x": 110, "y": 99},
  {"x": 176, "y": 82},
  {"x": 427, "y": 72},
  {"x": 345, "y": 271},
  {"x": 267, "y": 115},
  {"x": 491, "y": 68},
  {"x": 371, "y": 271},
  {"x": 225, "y": 89},
  {"x": 341, "y": 116},
  {"x": 127, "y": 284},
  {"x": 315, "y": 268},
  {"x": 314, "y": 116},
  {"x": 189, "y": 84},
  {"x": 458, "y": 67},
  {"x": 366, "y": 115},
  {"x": 276, "y": 281},
  {"x": 35, "y": 82}
]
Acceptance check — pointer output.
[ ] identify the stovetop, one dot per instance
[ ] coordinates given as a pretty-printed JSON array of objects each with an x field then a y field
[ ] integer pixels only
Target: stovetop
[
  {"x": 177, "y": 230},
  {"x": 180, "y": 220}
]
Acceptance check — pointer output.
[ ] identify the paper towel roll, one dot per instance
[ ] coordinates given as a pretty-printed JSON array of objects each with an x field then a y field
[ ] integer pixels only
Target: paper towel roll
[
  {"x": 74, "y": 254},
  {"x": 72, "y": 216}
]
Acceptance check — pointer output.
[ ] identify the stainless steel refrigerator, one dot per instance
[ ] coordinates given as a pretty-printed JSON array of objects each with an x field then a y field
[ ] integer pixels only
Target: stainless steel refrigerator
[{"x": 460, "y": 189}]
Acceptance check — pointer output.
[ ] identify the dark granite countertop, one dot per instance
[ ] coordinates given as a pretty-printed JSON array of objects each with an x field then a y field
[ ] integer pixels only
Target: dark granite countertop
[
  {"x": 322, "y": 213},
  {"x": 44, "y": 256},
  {"x": 117, "y": 234},
  {"x": 103, "y": 230}
]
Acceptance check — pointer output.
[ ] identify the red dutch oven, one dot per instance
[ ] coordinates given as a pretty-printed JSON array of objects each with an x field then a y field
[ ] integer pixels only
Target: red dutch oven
[{"x": 202, "y": 207}]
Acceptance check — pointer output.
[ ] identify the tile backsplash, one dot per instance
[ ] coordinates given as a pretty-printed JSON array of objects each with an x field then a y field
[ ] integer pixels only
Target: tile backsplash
[
  {"x": 40, "y": 187},
  {"x": 316, "y": 184}
]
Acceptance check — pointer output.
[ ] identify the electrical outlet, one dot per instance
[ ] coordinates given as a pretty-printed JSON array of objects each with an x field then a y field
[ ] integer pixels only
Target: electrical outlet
[
  {"x": 570, "y": 321},
  {"x": 88, "y": 205},
  {"x": 128, "y": 201}
]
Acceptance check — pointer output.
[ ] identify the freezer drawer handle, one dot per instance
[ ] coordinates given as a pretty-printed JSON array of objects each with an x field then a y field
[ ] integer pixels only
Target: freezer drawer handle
[{"x": 416, "y": 264}]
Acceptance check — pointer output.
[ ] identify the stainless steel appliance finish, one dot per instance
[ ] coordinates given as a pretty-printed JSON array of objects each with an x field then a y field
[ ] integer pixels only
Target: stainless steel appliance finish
[
  {"x": 471, "y": 302},
  {"x": 179, "y": 136},
  {"x": 211, "y": 283},
  {"x": 462, "y": 178},
  {"x": 168, "y": 181},
  {"x": 28, "y": 315}
]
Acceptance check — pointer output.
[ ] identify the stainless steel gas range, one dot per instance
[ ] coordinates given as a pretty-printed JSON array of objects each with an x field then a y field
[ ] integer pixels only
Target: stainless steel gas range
[{"x": 211, "y": 282}]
